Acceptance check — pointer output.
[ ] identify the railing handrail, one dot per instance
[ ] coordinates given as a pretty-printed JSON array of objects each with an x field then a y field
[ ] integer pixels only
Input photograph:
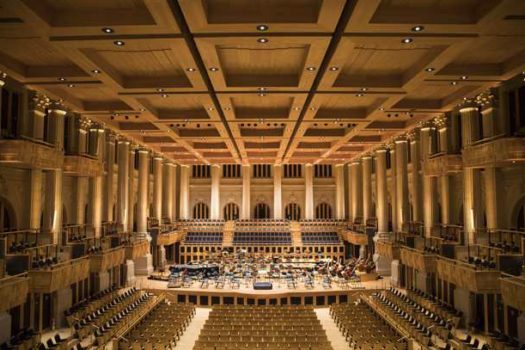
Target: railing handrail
[
  {"x": 11, "y": 278},
  {"x": 37, "y": 141},
  {"x": 487, "y": 139}
]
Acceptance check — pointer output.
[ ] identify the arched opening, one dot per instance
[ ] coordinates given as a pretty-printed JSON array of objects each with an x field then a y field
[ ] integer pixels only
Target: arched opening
[
  {"x": 518, "y": 215},
  {"x": 292, "y": 212},
  {"x": 323, "y": 211},
  {"x": 231, "y": 211},
  {"x": 201, "y": 211},
  {"x": 261, "y": 211},
  {"x": 7, "y": 216}
]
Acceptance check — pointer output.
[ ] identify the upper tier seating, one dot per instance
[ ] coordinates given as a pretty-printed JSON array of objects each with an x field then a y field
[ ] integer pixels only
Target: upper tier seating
[
  {"x": 320, "y": 238},
  {"x": 268, "y": 327},
  {"x": 203, "y": 238},
  {"x": 364, "y": 329},
  {"x": 262, "y": 238},
  {"x": 24, "y": 339}
]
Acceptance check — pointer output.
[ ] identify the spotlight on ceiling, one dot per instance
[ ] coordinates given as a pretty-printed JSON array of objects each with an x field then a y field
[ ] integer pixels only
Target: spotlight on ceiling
[
  {"x": 262, "y": 40},
  {"x": 430, "y": 69},
  {"x": 119, "y": 43},
  {"x": 464, "y": 77},
  {"x": 108, "y": 30},
  {"x": 453, "y": 83},
  {"x": 61, "y": 79},
  {"x": 407, "y": 40},
  {"x": 310, "y": 69},
  {"x": 164, "y": 95},
  {"x": 96, "y": 71},
  {"x": 191, "y": 69},
  {"x": 334, "y": 68},
  {"x": 70, "y": 85},
  {"x": 418, "y": 28},
  {"x": 160, "y": 89},
  {"x": 214, "y": 69},
  {"x": 262, "y": 27}
]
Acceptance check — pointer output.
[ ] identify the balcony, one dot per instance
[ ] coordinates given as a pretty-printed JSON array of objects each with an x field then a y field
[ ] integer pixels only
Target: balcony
[
  {"x": 418, "y": 259},
  {"x": 355, "y": 238},
  {"x": 13, "y": 291},
  {"x": 494, "y": 151},
  {"x": 388, "y": 249},
  {"x": 137, "y": 248},
  {"x": 106, "y": 259},
  {"x": 82, "y": 165},
  {"x": 30, "y": 153},
  {"x": 442, "y": 163},
  {"x": 513, "y": 291},
  {"x": 468, "y": 276},
  {"x": 58, "y": 276},
  {"x": 169, "y": 238}
]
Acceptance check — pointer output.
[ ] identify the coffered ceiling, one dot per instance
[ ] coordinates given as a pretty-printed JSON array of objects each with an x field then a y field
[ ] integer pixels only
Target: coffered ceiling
[{"x": 261, "y": 81}]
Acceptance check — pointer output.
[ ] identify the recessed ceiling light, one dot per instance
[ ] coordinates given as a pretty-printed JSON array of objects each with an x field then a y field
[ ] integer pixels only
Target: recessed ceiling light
[
  {"x": 143, "y": 110},
  {"x": 262, "y": 27},
  {"x": 430, "y": 69},
  {"x": 210, "y": 109},
  {"x": 334, "y": 68},
  {"x": 70, "y": 85},
  {"x": 164, "y": 95},
  {"x": 262, "y": 40},
  {"x": 364, "y": 89},
  {"x": 418, "y": 28},
  {"x": 227, "y": 108},
  {"x": 262, "y": 94},
  {"x": 464, "y": 77},
  {"x": 191, "y": 69},
  {"x": 108, "y": 30},
  {"x": 407, "y": 40},
  {"x": 262, "y": 89},
  {"x": 453, "y": 83},
  {"x": 96, "y": 71},
  {"x": 296, "y": 108},
  {"x": 160, "y": 89},
  {"x": 61, "y": 79},
  {"x": 358, "y": 95},
  {"x": 311, "y": 69},
  {"x": 381, "y": 108},
  {"x": 119, "y": 43},
  {"x": 214, "y": 69}
]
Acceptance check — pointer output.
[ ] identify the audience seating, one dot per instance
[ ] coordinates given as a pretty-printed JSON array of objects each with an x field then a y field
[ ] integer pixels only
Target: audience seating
[
  {"x": 203, "y": 238},
  {"x": 262, "y": 238},
  {"x": 364, "y": 329},
  {"x": 262, "y": 327},
  {"x": 161, "y": 328},
  {"x": 24, "y": 339},
  {"x": 320, "y": 238}
]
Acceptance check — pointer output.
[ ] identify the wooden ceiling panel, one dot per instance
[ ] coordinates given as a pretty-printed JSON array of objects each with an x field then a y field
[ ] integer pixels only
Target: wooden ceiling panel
[
  {"x": 229, "y": 16},
  {"x": 244, "y": 63},
  {"x": 261, "y": 106}
]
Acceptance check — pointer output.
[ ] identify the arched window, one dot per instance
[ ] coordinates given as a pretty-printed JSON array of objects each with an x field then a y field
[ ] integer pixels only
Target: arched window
[
  {"x": 7, "y": 216},
  {"x": 201, "y": 211},
  {"x": 323, "y": 211},
  {"x": 518, "y": 217},
  {"x": 261, "y": 211},
  {"x": 231, "y": 211},
  {"x": 292, "y": 211}
]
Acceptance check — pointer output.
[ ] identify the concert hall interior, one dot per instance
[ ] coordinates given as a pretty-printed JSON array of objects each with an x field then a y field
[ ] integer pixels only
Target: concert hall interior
[{"x": 262, "y": 174}]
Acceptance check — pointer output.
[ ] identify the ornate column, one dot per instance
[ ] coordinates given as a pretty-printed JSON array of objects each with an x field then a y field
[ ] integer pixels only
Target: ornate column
[
  {"x": 309, "y": 191},
  {"x": 56, "y": 113},
  {"x": 383, "y": 263},
  {"x": 185, "y": 192},
  {"x": 356, "y": 190},
  {"x": 95, "y": 185},
  {"x": 339, "y": 191},
  {"x": 37, "y": 110},
  {"x": 381, "y": 193},
  {"x": 175, "y": 208},
  {"x": 132, "y": 196},
  {"x": 277, "y": 191},
  {"x": 429, "y": 195},
  {"x": 415, "y": 153},
  {"x": 35, "y": 199},
  {"x": 53, "y": 205},
  {"x": 492, "y": 124},
  {"x": 157, "y": 188},
  {"x": 246, "y": 193},
  {"x": 142, "y": 198},
  {"x": 442, "y": 124},
  {"x": 403, "y": 211},
  {"x": 81, "y": 190},
  {"x": 122, "y": 184},
  {"x": 367, "y": 187},
  {"x": 471, "y": 177},
  {"x": 168, "y": 190},
  {"x": 109, "y": 199},
  {"x": 215, "y": 211}
]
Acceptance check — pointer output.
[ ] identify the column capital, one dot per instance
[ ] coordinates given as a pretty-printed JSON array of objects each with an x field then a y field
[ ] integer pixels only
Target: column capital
[
  {"x": 468, "y": 105},
  {"x": 488, "y": 99},
  {"x": 380, "y": 150},
  {"x": 56, "y": 107},
  {"x": 3, "y": 78},
  {"x": 39, "y": 102},
  {"x": 111, "y": 136},
  {"x": 441, "y": 122},
  {"x": 143, "y": 150},
  {"x": 216, "y": 165}
]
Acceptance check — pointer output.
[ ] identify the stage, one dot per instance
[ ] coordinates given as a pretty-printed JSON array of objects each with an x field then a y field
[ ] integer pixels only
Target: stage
[{"x": 280, "y": 294}]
